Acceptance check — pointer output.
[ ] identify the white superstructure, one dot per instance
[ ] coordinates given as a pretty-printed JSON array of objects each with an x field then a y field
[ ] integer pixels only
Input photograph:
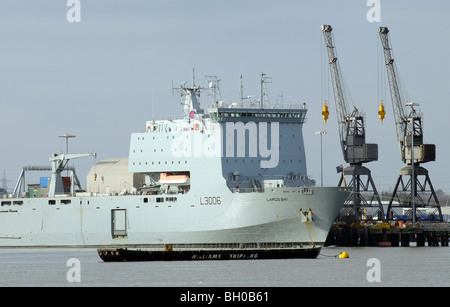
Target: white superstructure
[{"x": 227, "y": 174}]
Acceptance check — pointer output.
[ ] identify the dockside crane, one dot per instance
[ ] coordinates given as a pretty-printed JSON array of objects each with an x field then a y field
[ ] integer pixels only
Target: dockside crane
[
  {"x": 354, "y": 147},
  {"x": 413, "y": 151}
]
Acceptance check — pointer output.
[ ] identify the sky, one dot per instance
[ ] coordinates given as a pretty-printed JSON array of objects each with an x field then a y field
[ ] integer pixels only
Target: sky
[{"x": 101, "y": 78}]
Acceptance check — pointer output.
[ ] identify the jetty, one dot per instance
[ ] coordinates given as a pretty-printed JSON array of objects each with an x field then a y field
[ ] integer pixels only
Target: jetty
[{"x": 388, "y": 234}]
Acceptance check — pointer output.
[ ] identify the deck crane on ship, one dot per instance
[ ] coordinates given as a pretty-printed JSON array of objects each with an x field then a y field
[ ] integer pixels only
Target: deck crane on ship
[
  {"x": 409, "y": 135},
  {"x": 354, "y": 147},
  {"x": 59, "y": 162}
]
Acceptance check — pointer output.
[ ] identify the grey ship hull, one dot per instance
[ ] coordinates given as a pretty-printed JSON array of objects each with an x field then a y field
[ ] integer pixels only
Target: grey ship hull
[
  {"x": 228, "y": 175},
  {"x": 273, "y": 216}
]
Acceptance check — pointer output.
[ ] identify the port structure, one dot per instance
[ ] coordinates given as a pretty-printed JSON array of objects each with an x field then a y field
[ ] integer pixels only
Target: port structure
[
  {"x": 355, "y": 150},
  {"x": 417, "y": 191}
]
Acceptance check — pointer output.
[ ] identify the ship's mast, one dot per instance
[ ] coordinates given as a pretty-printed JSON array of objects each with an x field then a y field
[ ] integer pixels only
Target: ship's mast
[
  {"x": 241, "y": 97},
  {"x": 189, "y": 98},
  {"x": 241, "y": 92},
  {"x": 264, "y": 80}
]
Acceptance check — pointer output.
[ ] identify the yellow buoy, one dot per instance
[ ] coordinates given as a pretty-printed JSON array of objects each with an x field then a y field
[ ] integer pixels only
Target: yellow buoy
[{"x": 343, "y": 255}]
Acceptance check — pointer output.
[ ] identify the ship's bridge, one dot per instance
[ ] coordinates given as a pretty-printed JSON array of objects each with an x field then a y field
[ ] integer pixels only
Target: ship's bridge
[
  {"x": 261, "y": 115},
  {"x": 286, "y": 114}
]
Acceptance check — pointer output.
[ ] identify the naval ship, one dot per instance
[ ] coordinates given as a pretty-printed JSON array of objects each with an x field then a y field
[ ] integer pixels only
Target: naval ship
[{"x": 221, "y": 175}]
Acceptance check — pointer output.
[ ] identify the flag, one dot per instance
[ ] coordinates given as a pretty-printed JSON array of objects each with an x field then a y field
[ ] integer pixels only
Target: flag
[{"x": 340, "y": 168}]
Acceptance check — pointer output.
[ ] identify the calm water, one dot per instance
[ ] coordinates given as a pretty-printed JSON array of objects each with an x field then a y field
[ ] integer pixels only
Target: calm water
[{"x": 399, "y": 266}]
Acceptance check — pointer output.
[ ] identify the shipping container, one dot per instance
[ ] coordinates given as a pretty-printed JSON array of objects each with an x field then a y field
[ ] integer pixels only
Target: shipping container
[{"x": 44, "y": 182}]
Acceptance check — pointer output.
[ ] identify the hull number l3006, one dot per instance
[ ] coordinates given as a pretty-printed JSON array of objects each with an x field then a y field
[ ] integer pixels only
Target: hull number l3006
[{"x": 210, "y": 200}]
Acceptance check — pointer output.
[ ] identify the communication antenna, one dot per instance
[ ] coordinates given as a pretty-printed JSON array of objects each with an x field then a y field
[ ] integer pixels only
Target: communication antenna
[
  {"x": 67, "y": 137},
  {"x": 264, "y": 93},
  {"x": 213, "y": 84},
  {"x": 241, "y": 93}
]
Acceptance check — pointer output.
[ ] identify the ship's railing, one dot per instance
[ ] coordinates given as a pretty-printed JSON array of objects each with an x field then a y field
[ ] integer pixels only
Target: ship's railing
[
  {"x": 282, "y": 106},
  {"x": 57, "y": 196},
  {"x": 248, "y": 190},
  {"x": 271, "y": 181},
  {"x": 238, "y": 245},
  {"x": 304, "y": 190},
  {"x": 289, "y": 177},
  {"x": 170, "y": 117}
]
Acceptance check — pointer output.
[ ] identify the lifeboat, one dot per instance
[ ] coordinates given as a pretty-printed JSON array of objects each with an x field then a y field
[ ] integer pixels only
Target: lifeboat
[{"x": 165, "y": 178}]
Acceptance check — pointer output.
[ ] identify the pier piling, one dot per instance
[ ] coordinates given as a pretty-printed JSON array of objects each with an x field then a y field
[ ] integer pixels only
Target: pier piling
[{"x": 383, "y": 234}]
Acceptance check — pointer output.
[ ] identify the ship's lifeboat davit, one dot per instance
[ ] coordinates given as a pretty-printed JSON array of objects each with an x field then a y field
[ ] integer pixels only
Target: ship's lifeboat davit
[{"x": 165, "y": 178}]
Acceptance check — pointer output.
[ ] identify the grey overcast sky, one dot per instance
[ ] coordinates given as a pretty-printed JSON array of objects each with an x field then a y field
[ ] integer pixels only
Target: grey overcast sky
[{"x": 98, "y": 78}]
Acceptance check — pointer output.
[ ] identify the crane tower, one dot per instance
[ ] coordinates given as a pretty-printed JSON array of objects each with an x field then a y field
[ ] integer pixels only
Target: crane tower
[
  {"x": 413, "y": 151},
  {"x": 354, "y": 147}
]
